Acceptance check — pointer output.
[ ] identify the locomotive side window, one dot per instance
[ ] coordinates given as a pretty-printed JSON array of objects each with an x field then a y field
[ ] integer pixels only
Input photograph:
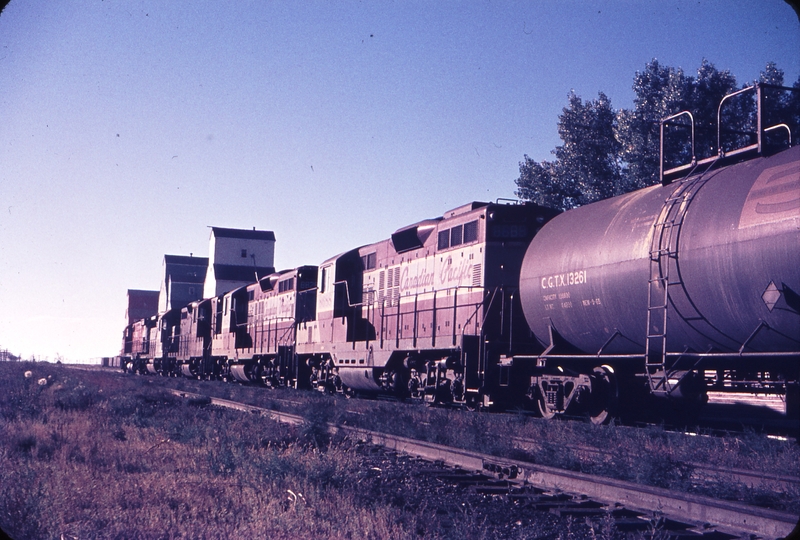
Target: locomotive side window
[
  {"x": 470, "y": 231},
  {"x": 456, "y": 236},
  {"x": 286, "y": 285},
  {"x": 444, "y": 239}
]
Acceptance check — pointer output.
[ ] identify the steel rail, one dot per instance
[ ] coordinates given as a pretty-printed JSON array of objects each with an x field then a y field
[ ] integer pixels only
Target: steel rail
[
  {"x": 751, "y": 478},
  {"x": 725, "y": 516}
]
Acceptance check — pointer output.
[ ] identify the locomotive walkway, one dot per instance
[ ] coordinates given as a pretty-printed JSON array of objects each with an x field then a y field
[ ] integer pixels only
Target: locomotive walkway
[{"x": 702, "y": 515}]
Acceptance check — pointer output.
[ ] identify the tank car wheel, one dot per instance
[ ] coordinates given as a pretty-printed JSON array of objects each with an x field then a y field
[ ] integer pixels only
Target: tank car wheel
[
  {"x": 604, "y": 395},
  {"x": 544, "y": 411}
]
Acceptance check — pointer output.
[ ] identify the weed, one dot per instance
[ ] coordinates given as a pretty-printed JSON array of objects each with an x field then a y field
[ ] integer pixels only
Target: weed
[
  {"x": 79, "y": 398},
  {"x": 314, "y": 430}
]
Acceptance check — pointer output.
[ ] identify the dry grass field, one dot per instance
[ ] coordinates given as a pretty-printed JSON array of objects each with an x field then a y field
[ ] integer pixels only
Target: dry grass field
[
  {"x": 103, "y": 455},
  {"x": 90, "y": 454}
]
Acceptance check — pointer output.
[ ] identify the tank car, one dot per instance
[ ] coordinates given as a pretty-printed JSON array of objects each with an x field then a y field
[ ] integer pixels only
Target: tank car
[{"x": 650, "y": 292}]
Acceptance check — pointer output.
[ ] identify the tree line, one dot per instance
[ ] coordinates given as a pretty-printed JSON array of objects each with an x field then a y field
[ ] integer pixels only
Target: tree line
[{"x": 608, "y": 152}]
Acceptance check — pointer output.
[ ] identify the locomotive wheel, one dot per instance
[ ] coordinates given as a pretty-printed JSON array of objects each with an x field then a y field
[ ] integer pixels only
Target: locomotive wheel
[{"x": 604, "y": 395}]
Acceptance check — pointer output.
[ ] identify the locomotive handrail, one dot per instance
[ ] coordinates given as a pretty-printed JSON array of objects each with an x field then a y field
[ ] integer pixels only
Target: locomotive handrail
[
  {"x": 347, "y": 293},
  {"x": 362, "y": 304},
  {"x": 512, "y": 202}
]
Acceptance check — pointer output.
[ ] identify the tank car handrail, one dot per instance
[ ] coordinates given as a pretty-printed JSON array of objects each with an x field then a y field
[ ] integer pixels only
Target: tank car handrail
[
  {"x": 757, "y": 148},
  {"x": 664, "y": 122},
  {"x": 752, "y": 354},
  {"x": 609, "y": 340},
  {"x": 784, "y": 126},
  {"x": 585, "y": 357},
  {"x": 743, "y": 354},
  {"x": 720, "y": 150}
]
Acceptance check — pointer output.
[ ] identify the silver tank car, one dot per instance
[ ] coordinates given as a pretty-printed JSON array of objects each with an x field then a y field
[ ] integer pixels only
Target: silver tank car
[
  {"x": 733, "y": 264},
  {"x": 697, "y": 274}
]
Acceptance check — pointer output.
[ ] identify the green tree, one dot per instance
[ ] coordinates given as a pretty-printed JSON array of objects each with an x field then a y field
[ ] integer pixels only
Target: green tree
[
  {"x": 660, "y": 91},
  {"x": 606, "y": 153},
  {"x": 586, "y": 168}
]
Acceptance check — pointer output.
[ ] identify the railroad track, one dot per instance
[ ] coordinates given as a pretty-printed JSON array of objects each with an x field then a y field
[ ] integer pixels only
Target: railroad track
[
  {"x": 565, "y": 491},
  {"x": 762, "y": 413},
  {"x": 700, "y": 471}
]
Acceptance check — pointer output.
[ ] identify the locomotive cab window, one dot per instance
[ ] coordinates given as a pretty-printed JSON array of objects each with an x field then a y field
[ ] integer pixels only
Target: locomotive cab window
[
  {"x": 323, "y": 281},
  {"x": 369, "y": 261}
]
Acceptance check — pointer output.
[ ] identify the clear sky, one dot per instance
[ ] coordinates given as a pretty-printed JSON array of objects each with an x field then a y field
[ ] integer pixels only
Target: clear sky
[{"x": 129, "y": 127}]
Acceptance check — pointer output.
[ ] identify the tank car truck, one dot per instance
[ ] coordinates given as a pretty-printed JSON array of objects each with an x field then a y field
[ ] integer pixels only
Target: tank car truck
[
  {"x": 676, "y": 288},
  {"x": 431, "y": 313}
]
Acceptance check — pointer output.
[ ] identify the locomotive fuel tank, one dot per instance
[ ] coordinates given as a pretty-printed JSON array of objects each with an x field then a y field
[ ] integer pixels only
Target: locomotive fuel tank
[{"x": 716, "y": 254}]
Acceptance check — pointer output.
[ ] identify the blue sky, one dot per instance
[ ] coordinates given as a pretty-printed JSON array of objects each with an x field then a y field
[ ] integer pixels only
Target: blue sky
[{"x": 128, "y": 128}]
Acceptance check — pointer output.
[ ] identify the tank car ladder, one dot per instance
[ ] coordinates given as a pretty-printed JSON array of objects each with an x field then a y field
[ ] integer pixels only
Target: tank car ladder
[{"x": 663, "y": 267}]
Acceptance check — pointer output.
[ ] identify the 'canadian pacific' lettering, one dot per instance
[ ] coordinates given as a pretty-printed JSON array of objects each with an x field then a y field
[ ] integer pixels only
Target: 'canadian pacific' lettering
[
  {"x": 421, "y": 280},
  {"x": 454, "y": 274}
]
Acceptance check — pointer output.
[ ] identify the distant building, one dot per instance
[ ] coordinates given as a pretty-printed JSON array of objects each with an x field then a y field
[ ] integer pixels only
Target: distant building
[
  {"x": 141, "y": 304},
  {"x": 238, "y": 257},
  {"x": 183, "y": 281}
]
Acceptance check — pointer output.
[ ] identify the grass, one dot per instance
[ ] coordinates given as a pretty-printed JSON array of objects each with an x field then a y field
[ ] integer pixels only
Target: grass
[
  {"x": 106, "y": 455},
  {"x": 651, "y": 456},
  {"x": 127, "y": 460}
]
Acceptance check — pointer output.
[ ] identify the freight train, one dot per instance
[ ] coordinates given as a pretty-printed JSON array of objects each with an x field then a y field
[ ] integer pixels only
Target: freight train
[{"x": 665, "y": 292}]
